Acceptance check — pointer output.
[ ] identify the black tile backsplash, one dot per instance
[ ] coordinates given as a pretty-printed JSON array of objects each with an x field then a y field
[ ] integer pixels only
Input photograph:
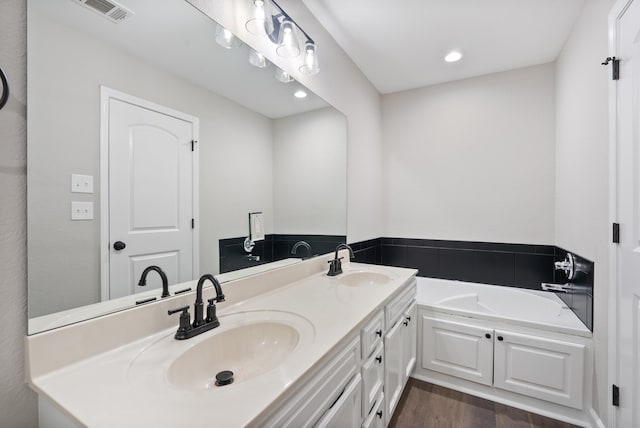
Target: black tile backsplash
[
  {"x": 507, "y": 264},
  {"x": 274, "y": 247}
]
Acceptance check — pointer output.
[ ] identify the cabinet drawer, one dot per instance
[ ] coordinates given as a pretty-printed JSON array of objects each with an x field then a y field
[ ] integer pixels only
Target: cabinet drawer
[
  {"x": 543, "y": 368},
  {"x": 372, "y": 379},
  {"x": 393, "y": 310},
  {"x": 371, "y": 334},
  {"x": 322, "y": 391},
  {"x": 375, "y": 419}
]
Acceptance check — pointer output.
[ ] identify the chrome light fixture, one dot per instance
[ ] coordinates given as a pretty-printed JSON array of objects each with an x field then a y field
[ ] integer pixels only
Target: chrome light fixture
[
  {"x": 268, "y": 18},
  {"x": 226, "y": 39},
  {"x": 310, "y": 66}
]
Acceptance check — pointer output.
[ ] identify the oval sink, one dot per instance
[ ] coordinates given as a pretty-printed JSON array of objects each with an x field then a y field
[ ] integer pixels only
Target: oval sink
[
  {"x": 355, "y": 279},
  {"x": 249, "y": 344},
  {"x": 247, "y": 351}
]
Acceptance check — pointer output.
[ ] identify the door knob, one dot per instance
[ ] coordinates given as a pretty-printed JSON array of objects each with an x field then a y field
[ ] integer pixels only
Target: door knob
[{"x": 119, "y": 245}]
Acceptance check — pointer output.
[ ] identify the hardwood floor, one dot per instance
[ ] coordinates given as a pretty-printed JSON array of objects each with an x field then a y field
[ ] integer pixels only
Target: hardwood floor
[{"x": 424, "y": 405}]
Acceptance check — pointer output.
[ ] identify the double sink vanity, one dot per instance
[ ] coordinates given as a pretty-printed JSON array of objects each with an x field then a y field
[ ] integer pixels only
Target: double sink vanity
[{"x": 305, "y": 349}]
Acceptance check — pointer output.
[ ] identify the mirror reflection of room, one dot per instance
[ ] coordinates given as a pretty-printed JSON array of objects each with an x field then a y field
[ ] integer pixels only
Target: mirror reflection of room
[{"x": 147, "y": 149}]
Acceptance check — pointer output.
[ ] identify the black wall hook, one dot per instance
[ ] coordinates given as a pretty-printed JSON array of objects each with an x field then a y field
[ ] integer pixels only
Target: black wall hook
[{"x": 5, "y": 89}]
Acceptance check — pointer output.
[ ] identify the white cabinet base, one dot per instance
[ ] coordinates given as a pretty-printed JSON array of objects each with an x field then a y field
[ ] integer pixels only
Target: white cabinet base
[{"x": 522, "y": 353}]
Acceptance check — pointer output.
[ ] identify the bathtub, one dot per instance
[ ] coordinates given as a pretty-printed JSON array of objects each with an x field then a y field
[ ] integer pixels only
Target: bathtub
[{"x": 530, "y": 308}]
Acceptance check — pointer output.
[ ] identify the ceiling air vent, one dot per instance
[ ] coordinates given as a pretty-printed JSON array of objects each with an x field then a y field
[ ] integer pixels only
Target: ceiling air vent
[{"x": 109, "y": 9}]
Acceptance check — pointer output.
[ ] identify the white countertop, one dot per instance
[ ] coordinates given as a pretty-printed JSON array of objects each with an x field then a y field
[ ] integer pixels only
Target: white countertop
[{"x": 98, "y": 391}]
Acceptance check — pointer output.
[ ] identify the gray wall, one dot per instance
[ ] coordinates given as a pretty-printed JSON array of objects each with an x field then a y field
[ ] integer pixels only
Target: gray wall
[
  {"x": 18, "y": 404},
  {"x": 473, "y": 159},
  {"x": 582, "y": 180},
  {"x": 309, "y": 173}
]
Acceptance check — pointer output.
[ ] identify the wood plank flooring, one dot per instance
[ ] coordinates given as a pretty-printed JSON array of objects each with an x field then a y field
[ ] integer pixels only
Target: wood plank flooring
[{"x": 424, "y": 405}]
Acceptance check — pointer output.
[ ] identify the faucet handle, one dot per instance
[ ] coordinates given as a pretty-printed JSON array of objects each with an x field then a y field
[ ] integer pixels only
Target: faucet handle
[
  {"x": 185, "y": 318},
  {"x": 211, "y": 311}
]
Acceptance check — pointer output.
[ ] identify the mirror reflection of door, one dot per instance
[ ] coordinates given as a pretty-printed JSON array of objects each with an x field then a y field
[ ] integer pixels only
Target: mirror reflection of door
[{"x": 151, "y": 182}]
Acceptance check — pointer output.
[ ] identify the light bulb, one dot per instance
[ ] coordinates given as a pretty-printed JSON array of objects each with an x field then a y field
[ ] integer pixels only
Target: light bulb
[
  {"x": 259, "y": 24},
  {"x": 226, "y": 39},
  {"x": 283, "y": 76},
  {"x": 257, "y": 59},
  {"x": 300, "y": 94},
  {"x": 310, "y": 66},
  {"x": 287, "y": 42}
]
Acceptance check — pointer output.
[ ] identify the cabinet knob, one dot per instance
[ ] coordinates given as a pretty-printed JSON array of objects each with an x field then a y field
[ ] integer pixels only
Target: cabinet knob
[
  {"x": 500, "y": 338},
  {"x": 488, "y": 336},
  {"x": 379, "y": 333},
  {"x": 379, "y": 413},
  {"x": 119, "y": 245},
  {"x": 379, "y": 359}
]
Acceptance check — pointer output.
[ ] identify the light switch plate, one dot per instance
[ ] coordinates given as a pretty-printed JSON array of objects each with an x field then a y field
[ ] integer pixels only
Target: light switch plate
[
  {"x": 81, "y": 183},
  {"x": 81, "y": 210},
  {"x": 256, "y": 226}
]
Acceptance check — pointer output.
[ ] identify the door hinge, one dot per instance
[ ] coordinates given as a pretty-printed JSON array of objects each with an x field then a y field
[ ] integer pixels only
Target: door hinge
[
  {"x": 615, "y": 67},
  {"x": 615, "y": 395},
  {"x": 193, "y": 144},
  {"x": 193, "y": 223},
  {"x": 616, "y": 233}
]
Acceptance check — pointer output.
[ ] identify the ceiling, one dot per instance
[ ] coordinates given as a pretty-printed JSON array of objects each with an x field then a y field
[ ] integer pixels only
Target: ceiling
[
  {"x": 151, "y": 35},
  {"x": 401, "y": 44}
]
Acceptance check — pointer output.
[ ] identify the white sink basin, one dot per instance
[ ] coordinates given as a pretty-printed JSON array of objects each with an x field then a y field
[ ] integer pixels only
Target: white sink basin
[
  {"x": 249, "y": 344},
  {"x": 355, "y": 279}
]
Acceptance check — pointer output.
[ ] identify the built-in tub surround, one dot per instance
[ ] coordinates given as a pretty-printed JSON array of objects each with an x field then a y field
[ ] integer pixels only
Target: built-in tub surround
[
  {"x": 529, "y": 308},
  {"x": 506, "y": 264},
  {"x": 92, "y": 379}
]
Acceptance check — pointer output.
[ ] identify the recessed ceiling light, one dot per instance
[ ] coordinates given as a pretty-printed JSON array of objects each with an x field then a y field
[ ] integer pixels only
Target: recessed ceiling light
[
  {"x": 453, "y": 56},
  {"x": 299, "y": 93}
]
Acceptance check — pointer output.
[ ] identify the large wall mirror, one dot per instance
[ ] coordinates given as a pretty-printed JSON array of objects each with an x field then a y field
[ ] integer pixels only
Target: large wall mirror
[{"x": 115, "y": 183}]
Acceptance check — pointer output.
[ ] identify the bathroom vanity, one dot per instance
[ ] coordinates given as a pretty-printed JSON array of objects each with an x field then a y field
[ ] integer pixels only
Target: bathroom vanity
[{"x": 306, "y": 349}]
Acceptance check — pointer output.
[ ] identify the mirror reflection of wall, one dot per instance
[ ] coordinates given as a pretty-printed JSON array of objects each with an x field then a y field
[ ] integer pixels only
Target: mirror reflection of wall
[{"x": 280, "y": 155}]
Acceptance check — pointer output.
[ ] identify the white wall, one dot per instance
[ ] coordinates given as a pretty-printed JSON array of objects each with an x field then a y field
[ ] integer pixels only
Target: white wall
[
  {"x": 18, "y": 404},
  {"x": 309, "y": 173},
  {"x": 581, "y": 215},
  {"x": 473, "y": 159},
  {"x": 235, "y": 149}
]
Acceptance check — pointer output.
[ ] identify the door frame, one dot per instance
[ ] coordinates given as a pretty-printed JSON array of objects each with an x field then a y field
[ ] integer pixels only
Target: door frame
[
  {"x": 615, "y": 14},
  {"x": 106, "y": 94}
]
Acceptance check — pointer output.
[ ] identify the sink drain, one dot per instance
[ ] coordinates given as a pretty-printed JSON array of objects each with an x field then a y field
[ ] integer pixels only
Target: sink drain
[{"x": 224, "y": 377}]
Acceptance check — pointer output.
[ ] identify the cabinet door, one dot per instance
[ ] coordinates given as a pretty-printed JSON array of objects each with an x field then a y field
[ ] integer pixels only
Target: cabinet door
[
  {"x": 410, "y": 338},
  {"x": 372, "y": 379},
  {"x": 375, "y": 419},
  {"x": 457, "y": 349},
  {"x": 345, "y": 412},
  {"x": 548, "y": 369},
  {"x": 393, "y": 367}
]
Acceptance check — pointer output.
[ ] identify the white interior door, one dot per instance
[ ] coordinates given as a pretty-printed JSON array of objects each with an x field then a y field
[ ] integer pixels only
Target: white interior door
[
  {"x": 628, "y": 197},
  {"x": 151, "y": 194}
]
